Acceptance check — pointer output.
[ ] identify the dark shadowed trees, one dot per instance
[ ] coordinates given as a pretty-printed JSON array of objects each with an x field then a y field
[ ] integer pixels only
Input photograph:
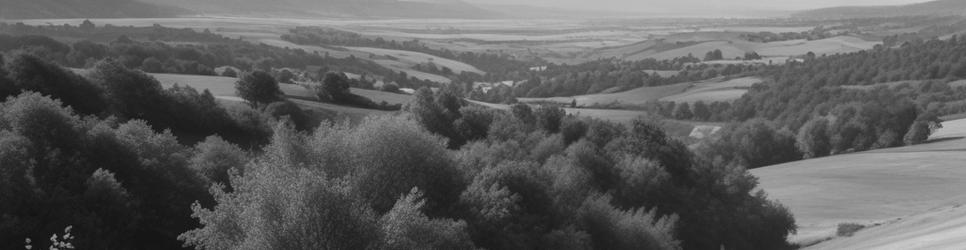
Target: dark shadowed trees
[{"x": 258, "y": 88}]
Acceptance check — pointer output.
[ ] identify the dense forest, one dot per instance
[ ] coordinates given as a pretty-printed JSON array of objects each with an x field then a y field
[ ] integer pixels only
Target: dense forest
[
  {"x": 831, "y": 104},
  {"x": 115, "y": 168}
]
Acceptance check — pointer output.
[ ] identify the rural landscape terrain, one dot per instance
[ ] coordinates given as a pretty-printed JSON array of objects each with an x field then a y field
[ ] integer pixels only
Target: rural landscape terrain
[{"x": 449, "y": 124}]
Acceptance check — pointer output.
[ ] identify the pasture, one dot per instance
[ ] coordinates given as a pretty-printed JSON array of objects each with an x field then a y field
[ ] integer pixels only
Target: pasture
[{"x": 915, "y": 183}]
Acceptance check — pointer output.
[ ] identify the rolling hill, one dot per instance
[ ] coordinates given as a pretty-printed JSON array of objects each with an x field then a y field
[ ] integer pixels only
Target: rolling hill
[
  {"x": 31, "y": 9},
  {"x": 333, "y": 8},
  {"x": 912, "y": 193},
  {"x": 731, "y": 45},
  {"x": 712, "y": 90},
  {"x": 934, "y": 8}
]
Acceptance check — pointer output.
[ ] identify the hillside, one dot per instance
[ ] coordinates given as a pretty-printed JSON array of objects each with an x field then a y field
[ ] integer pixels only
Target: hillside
[
  {"x": 333, "y": 8},
  {"x": 699, "y": 43},
  {"x": 934, "y": 8},
  {"x": 905, "y": 189},
  {"x": 712, "y": 90},
  {"x": 30, "y": 9}
]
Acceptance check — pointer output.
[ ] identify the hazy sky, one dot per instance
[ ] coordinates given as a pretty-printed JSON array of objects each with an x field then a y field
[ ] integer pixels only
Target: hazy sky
[{"x": 701, "y": 5}]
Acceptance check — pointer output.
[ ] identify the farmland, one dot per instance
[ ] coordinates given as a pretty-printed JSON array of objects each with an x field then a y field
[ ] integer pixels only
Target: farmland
[{"x": 911, "y": 190}]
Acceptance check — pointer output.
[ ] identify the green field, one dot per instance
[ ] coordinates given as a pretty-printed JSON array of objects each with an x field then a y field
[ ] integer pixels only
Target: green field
[{"x": 880, "y": 186}]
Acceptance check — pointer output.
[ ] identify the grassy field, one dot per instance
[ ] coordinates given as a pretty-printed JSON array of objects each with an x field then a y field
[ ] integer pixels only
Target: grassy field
[
  {"x": 717, "y": 89},
  {"x": 909, "y": 183},
  {"x": 413, "y": 58}
]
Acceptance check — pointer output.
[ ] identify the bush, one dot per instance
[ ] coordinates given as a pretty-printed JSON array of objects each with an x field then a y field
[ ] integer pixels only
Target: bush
[
  {"x": 291, "y": 111},
  {"x": 848, "y": 229}
]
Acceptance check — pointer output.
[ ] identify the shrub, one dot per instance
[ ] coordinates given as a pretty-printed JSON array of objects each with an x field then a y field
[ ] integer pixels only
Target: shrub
[{"x": 848, "y": 229}]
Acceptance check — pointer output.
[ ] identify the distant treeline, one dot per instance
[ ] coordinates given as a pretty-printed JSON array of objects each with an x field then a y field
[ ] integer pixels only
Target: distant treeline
[{"x": 160, "y": 49}]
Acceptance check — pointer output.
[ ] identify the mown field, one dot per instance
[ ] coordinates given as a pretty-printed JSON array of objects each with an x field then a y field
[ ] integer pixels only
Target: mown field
[
  {"x": 914, "y": 191},
  {"x": 717, "y": 89}
]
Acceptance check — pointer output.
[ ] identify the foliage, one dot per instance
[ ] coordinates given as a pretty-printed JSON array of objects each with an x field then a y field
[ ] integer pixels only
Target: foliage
[
  {"x": 258, "y": 88},
  {"x": 848, "y": 229},
  {"x": 754, "y": 144}
]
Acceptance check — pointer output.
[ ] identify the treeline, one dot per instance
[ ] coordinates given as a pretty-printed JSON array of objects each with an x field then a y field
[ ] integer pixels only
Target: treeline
[
  {"x": 492, "y": 63},
  {"x": 514, "y": 179},
  {"x": 160, "y": 49},
  {"x": 615, "y": 75},
  {"x": 817, "y": 108}
]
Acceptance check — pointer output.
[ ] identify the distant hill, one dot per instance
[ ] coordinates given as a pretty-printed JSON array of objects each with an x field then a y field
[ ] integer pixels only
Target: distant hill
[
  {"x": 29, "y": 9},
  {"x": 934, "y": 8},
  {"x": 334, "y": 8}
]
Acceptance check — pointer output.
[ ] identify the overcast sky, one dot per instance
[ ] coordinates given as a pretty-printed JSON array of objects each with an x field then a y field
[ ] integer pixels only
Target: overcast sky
[{"x": 691, "y": 5}]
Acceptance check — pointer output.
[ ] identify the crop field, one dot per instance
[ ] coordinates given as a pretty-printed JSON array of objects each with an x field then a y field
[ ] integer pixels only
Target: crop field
[
  {"x": 920, "y": 186},
  {"x": 716, "y": 89}
]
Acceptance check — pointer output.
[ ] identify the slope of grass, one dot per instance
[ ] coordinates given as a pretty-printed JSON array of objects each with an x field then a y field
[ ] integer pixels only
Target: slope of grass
[{"x": 870, "y": 187}]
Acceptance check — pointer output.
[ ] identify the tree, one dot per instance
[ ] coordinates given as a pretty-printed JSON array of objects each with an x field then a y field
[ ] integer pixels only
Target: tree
[
  {"x": 285, "y": 76},
  {"x": 813, "y": 139},
  {"x": 701, "y": 111},
  {"x": 549, "y": 118},
  {"x": 215, "y": 158},
  {"x": 229, "y": 72},
  {"x": 151, "y": 65},
  {"x": 258, "y": 88},
  {"x": 335, "y": 87},
  {"x": 406, "y": 227},
  {"x": 918, "y": 133},
  {"x": 87, "y": 25},
  {"x": 752, "y": 56},
  {"x": 714, "y": 55},
  {"x": 683, "y": 111}
]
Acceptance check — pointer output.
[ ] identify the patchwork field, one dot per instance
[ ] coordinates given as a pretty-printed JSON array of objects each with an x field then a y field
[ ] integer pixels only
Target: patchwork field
[
  {"x": 699, "y": 43},
  {"x": 915, "y": 192},
  {"x": 717, "y": 89}
]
